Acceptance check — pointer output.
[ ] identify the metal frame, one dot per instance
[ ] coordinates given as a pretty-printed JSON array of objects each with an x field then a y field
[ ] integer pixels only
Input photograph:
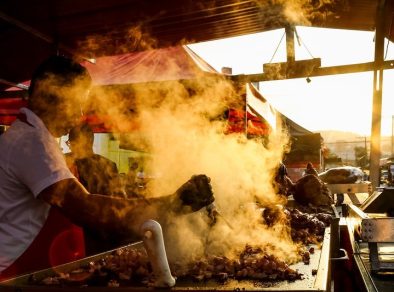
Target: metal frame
[{"x": 373, "y": 230}]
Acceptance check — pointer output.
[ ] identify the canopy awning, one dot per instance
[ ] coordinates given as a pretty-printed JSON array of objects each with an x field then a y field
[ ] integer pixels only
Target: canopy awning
[
  {"x": 167, "y": 64},
  {"x": 172, "y": 63}
]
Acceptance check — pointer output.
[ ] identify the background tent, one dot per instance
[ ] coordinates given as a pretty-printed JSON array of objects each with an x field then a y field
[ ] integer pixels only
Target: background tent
[
  {"x": 306, "y": 146},
  {"x": 121, "y": 75},
  {"x": 257, "y": 117},
  {"x": 167, "y": 64},
  {"x": 261, "y": 118},
  {"x": 172, "y": 63},
  {"x": 293, "y": 128}
]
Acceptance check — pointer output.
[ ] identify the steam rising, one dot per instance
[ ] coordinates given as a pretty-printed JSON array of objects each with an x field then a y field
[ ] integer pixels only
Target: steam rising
[
  {"x": 184, "y": 142},
  {"x": 178, "y": 124},
  {"x": 296, "y": 12},
  {"x": 272, "y": 13},
  {"x": 181, "y": 130}
]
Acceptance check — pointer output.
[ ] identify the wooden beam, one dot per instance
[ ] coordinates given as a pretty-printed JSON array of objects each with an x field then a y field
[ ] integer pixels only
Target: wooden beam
[{"x": 321, "y": 71}]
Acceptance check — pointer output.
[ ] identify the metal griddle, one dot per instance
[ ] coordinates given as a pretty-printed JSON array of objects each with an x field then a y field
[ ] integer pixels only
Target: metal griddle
[{"x": 319, "y": 261}]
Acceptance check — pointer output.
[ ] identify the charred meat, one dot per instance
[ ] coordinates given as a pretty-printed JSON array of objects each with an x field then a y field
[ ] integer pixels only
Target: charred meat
[{"x": 310, "y": 190}]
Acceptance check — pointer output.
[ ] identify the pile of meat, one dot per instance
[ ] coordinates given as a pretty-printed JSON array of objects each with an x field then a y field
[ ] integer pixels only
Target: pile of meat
[
  {"x": 253, "y": 263},
  {"x": 256, "y": 263},
  {"x": 126, "y": 267},
  {"x": 306, "y": 227},
  {"x": 130, "y": 266}
]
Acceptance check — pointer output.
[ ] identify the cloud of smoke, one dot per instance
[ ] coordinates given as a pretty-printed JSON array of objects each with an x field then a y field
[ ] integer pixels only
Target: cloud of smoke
[
  {"x": 241, "y": 171},
  {"x": 133, "y": 39},
  {"x": 296, "y": 12},
  {"x": 271, "y": 13},
  {"x": 178, "y": 124}
]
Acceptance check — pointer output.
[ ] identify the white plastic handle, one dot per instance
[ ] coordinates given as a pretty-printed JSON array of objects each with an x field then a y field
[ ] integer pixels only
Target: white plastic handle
[{"x": 154, "y": 245}]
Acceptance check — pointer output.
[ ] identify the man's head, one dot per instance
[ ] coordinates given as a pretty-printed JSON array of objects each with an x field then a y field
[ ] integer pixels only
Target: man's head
[
  {"x": 81, "y": 140},
  {"x": 57, "y": 91}
]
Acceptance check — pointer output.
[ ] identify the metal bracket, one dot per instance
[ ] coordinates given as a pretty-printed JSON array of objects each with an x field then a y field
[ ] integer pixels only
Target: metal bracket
[
  {"x": 374, "y": 231},
  {"x": 377, "y": 229}
]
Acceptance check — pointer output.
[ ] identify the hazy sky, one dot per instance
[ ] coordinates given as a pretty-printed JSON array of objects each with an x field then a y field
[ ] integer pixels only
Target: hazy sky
[{"x": 341, "y": 102}]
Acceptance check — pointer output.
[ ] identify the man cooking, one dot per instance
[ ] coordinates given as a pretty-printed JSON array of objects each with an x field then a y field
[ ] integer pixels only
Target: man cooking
[{"x": 41, "y": 200}]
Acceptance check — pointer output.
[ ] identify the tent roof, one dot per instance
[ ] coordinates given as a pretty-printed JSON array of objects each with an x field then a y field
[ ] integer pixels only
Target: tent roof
[
  {"x": 294, "y": 128},
  {"x": 166, "y": 64},
  {"x": 260, "y": 107},
  {"x": 32, "y": 30},
  {"x": 172, "y": 63}
]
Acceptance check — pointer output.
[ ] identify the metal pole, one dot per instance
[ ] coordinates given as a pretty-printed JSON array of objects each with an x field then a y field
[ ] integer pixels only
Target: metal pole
[
  {"x": 366, "y": 152},
  {"x": 246, "y": 110},
  {"x": 392, "y": 135},
  {"x": 365, "y": 144},
  {"x": 377, "y": 97}
]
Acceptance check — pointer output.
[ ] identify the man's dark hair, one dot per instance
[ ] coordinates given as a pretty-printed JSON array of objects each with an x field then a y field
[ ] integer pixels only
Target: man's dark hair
[{"x": 63, "y": 69}]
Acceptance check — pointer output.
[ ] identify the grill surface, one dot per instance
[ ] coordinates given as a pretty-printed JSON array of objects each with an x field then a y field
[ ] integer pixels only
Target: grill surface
[{"x": 319, "y": 261}]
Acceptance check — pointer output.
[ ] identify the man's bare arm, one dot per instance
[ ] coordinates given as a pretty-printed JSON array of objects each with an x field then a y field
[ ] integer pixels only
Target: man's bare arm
[{"x": 122, "y": 217}]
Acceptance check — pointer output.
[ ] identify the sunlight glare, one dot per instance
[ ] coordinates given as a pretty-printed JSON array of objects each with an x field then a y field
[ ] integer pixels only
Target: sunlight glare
[{"x": 342, "y": 102}]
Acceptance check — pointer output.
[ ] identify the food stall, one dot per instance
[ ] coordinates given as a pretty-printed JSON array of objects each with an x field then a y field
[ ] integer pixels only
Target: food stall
[
  {"x": 355, "y": 251},
  {"x": 47, "y": 28}
]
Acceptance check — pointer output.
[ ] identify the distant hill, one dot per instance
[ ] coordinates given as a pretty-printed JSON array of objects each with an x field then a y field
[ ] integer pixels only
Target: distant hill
[{"x": 334, "y": 136}]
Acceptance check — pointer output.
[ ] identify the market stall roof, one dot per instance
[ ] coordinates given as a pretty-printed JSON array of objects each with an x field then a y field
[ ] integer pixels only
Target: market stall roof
[
  {"x": 166, "y": 64},
  {"x": 31, "y": 30},
  {"x": 294, "y": 128}
]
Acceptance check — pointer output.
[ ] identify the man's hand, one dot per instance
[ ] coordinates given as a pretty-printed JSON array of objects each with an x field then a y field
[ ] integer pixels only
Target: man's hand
[{"x": 196, "y": 192}]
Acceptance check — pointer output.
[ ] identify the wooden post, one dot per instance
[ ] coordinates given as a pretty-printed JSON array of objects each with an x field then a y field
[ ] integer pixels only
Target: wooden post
[
  {"x": 289, "y": 29},
  {"x": 377, "y": 96}
]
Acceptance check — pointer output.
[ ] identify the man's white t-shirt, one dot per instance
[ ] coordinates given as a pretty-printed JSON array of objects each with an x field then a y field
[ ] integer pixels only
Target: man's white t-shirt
[{"x": 30, "y": 161}]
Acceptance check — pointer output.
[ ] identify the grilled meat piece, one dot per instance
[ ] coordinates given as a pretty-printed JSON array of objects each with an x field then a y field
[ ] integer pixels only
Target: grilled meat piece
[{"x": 310, "y": 190}]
